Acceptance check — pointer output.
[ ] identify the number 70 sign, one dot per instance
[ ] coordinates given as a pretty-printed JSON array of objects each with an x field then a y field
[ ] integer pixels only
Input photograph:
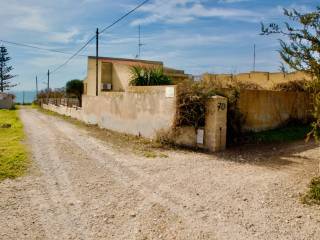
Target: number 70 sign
[{"x": 222, "y": 106}]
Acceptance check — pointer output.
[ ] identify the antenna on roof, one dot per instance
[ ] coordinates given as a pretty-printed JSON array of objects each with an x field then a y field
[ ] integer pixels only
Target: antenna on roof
[
  {"x": 139, "y": 43},
  {"x": 254, "y": 57}
]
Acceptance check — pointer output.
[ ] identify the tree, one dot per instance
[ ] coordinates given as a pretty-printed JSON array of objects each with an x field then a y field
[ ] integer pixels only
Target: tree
[
  {"x": 75, "y": 87},
  {"x": 300, "y": 50},
  {"x": 5, "y": 70}
]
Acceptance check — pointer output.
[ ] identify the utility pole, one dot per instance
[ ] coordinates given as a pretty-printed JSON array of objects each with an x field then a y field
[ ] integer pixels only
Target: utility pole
[
  {"x": 254, "y": 57},
  {"x": 48, "y": 83},
  {"x": 97, "y": 62},
  {"x": 22, "y": 97},
  {"x": 37, "y": 86},
  {"x": 48, "y": 87}
]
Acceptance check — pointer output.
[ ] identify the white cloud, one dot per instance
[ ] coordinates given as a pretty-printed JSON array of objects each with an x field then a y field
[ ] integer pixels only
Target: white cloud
[
  {"x": 20, "y": 16},
  {"x": 183, "y": 11},
  {"x": 64, "y": 37},
  {"x": 232, "y": 1}
]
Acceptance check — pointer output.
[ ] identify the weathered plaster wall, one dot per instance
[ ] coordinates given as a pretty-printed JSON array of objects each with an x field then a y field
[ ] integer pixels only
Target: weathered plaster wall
[
  {"x": 6, "y": 101},
  {"x": 120, "y": 77},
  {"x": 147, "y": 111},
  {"x": 268, "y": 109},
  {"x": 90, "y": 81},
  {"x": 140, "y": 111},
  {"x": 215, "y": 131},
  {"x": 214, "y": 136},
  {"x": 265, "y": 80}
]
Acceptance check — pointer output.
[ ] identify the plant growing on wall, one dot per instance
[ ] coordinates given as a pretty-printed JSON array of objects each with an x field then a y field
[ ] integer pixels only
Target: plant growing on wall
[
  {"x": 148, "y": 76},
  {"x": 301, "y": 51},
  {"x": 235, "y": 119},
  {"x": 191, "y": 107},
  {"x": 191, "y": 104}
]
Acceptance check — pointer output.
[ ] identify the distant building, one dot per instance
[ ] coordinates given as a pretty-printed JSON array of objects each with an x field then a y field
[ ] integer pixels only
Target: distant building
[{"x": 6, "y": 100}]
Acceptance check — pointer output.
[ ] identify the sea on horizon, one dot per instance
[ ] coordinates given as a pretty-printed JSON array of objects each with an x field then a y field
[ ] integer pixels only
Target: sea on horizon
[{"x": 24, "y": 96}]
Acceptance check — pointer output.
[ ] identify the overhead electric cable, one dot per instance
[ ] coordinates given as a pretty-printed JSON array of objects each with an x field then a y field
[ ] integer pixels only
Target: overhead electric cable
[
  {"x": 93, "y": 37},
  {"x": 37, "y": 47}
]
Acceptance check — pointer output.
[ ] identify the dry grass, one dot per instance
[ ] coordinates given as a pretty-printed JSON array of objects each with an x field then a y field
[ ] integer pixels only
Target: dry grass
[{"x": 291, "y": 86}]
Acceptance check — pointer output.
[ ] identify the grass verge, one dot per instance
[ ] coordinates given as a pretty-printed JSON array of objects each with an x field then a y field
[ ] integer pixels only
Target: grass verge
[
  {"x": 313, "y": 195},
  {"x": 13, "y": 154}
]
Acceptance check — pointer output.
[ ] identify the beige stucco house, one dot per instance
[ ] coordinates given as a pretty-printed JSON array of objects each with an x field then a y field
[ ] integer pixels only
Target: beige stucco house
[{"x": 114, "y": 74}]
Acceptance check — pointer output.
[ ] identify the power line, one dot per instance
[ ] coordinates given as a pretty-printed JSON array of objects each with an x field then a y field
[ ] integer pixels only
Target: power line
[
  {"x": 125, "y": 15},
  {"x": 37, "y": 47},
  {"x": 73, "y": 55},
  {"x": 94, "y": 37}
]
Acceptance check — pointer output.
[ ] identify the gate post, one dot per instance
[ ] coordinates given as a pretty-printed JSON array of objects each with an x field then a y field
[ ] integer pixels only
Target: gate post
[{"x": 215, "y": 129}]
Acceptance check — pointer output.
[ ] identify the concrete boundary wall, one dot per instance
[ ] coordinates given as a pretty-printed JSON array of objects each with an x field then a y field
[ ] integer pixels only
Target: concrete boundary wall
[
  {"x": 148, "y": 111},
  {"x": 6, "y": 101},
  {"x": 213, "y": 136},
  {"x": 265, "y": 110},
  {"x": 265, "y": 80},
  {"x": 140, "y": 111}
]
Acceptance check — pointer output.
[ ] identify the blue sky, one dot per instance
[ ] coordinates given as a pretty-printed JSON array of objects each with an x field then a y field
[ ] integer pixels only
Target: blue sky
[{"x": 195, "y": 35}]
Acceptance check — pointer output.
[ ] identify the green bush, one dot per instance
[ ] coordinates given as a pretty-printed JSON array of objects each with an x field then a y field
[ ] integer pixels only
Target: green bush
[
  {"x": 313, "y": 195},
  {"x": 75, "y": 88},
  {"x": 148, "y": 76}
]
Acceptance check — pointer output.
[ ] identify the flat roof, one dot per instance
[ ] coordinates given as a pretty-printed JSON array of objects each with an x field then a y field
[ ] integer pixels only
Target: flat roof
[{"x": 126, "y": 60}]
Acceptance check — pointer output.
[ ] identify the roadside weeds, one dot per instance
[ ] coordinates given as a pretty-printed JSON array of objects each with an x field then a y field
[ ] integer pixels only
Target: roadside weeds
[{"x": 14, "y": 159}]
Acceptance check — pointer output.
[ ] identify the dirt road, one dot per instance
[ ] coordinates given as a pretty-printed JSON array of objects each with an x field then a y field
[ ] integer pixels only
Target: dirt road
[{"x": 80, "y": 187}]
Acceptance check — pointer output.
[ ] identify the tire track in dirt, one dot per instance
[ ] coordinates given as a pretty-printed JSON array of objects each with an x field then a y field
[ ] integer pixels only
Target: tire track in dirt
[
  {"x": 91, "y": 190},
  {"x": 60, "y": 211}
]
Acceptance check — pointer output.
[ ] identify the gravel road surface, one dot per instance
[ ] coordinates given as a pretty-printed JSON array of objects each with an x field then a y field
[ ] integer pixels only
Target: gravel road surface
[{"x": 80, "y": 187}]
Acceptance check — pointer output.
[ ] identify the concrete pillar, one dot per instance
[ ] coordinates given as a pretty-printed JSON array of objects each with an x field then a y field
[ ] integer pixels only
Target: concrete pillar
[{"x": 215, "y": 129}]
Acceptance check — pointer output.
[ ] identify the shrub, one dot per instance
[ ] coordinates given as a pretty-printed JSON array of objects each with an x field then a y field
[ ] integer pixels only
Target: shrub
[
  {"x": 235, "y": 119},
  {"x": 191, "y": 104},
  {"x": 295, "y": 86},
  {"x": 313, "y": 195},
  {"x": 75, "y": 88},
  {"x": 315, "y": 188},
  {"x": 191, "y": 107},
  {"x": 148, "y": 76},
  {"x": 58, "y": 93}
]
